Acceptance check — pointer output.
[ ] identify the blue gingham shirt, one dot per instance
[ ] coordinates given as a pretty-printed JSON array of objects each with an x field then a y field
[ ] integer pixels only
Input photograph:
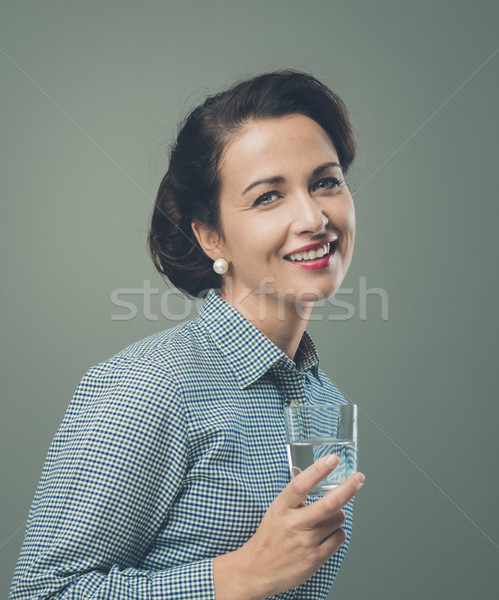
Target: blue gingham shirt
[{"x": 169, "y": 455}]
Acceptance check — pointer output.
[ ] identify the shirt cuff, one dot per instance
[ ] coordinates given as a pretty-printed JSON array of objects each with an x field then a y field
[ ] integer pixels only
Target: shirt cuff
[{"x": 193, "y": 581}]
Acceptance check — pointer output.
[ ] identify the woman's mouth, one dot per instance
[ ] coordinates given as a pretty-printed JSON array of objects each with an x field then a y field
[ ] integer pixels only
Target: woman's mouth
[{"x": 317, "y": 258}]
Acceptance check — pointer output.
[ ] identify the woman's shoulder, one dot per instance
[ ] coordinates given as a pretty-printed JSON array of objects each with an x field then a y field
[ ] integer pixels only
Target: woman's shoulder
[
  {"x": 146, "y": 375},
  {"x": 165, "y": 351},
  {"x": 158, "y": 346}
]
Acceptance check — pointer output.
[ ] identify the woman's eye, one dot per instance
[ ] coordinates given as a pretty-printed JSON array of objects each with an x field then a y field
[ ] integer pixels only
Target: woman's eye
[
  {"x": 328, "y": 183},
  {"x": 266, "y": 198}
]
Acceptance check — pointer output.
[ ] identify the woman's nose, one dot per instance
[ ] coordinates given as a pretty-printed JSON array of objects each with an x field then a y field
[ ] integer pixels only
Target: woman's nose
[{"x": 308, "y": 215}]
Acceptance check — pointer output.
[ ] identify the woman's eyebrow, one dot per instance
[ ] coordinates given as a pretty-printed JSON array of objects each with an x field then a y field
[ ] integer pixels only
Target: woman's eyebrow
[{"x": 280, "y": 178}]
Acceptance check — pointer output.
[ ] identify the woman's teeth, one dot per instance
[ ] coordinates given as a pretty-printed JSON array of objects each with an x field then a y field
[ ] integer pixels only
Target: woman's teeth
[{"x": 311, "y": 254}]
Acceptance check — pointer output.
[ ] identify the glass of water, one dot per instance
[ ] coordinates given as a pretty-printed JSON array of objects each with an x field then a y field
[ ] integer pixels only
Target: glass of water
[{"x": 313, "y": 431}]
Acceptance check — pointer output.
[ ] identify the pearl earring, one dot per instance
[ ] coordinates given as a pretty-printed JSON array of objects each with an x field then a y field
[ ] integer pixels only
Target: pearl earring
[{"x": 220, "y": 266}]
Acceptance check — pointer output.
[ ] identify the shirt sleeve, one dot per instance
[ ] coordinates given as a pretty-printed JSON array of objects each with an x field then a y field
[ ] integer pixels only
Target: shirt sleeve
[{"x": 113, "y": 470}]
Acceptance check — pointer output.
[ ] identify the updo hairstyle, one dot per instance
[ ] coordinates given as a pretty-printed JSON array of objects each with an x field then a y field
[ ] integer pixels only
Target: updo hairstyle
[{"x": 191, "y": 187}]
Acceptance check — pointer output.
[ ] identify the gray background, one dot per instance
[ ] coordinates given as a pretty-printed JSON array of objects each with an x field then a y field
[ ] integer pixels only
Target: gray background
[{"x": 91, "y": 93}]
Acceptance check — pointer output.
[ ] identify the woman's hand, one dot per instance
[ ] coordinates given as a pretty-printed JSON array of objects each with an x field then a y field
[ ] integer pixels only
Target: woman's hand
[{"x": 293, "y": 540}]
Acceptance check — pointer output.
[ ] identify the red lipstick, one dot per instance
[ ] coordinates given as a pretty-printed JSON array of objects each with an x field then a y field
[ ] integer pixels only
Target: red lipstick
[
  {"x": 316, "y": 263},
  {"x": 327, "y": 240}
]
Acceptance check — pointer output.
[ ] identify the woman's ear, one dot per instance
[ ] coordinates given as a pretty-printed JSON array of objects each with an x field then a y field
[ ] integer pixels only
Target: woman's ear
[{"x": 208, "y": 239}]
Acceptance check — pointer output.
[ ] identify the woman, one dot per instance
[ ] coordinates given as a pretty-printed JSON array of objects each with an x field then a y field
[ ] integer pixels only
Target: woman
[{"x": 168, "y": 476}]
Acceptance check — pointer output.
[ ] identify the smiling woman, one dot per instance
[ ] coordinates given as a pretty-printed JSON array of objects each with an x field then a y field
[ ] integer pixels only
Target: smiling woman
[
  {"x": 168, "y": 477},
  {"x": 275, "y": 235}
]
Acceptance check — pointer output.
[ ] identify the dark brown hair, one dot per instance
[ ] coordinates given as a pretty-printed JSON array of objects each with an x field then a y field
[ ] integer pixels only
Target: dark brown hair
[{"x": 190, "y": 188}]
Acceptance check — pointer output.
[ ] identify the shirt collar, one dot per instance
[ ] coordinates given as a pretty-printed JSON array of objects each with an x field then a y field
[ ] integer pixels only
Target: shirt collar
[{"x": 248, "y": 351}]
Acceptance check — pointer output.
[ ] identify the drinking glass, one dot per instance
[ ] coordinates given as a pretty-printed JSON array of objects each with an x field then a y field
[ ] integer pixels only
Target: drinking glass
[{"x": 315, "y": 430}]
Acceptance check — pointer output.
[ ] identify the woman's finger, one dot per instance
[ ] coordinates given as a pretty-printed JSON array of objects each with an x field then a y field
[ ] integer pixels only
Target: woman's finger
[
  {"x": 323, "y": 529},
  {"x": 331, "y": 544},
  {"x": 296, "y": 492},
  {"x": 334, "y": 499}
]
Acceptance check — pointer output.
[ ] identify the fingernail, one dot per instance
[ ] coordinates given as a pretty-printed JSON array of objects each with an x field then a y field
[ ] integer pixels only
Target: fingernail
[
  {"x": 361, "y": 478},
  {"x": 332, "y": 460}
]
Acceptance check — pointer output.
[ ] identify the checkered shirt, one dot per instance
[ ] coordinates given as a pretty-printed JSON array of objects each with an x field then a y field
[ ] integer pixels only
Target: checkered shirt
[{"x": 169, "y": 455}]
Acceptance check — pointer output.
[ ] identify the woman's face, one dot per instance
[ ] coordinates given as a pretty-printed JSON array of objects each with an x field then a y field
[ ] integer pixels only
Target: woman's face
[{"x": 283, "y": 195}]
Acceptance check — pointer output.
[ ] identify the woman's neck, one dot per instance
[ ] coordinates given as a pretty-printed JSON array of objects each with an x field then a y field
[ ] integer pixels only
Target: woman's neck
[{"x": 283, "y": 322}]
